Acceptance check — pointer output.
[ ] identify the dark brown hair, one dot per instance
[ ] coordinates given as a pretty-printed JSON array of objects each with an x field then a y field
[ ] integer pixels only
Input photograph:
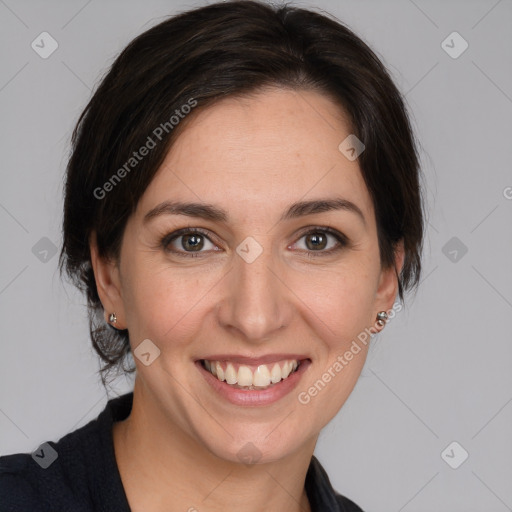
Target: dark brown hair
[{"x": 232, "y": 48}]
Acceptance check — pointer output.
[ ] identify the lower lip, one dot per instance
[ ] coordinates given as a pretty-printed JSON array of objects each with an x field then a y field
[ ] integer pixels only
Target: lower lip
[{"x": 254, "y": 397}]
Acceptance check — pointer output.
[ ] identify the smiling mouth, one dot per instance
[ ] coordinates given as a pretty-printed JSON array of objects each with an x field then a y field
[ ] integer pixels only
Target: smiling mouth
[{"x": 240, "y": 376}]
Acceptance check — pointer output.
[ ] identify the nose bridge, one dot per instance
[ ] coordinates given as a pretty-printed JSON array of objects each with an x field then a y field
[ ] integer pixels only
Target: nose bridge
[{"x": 255, "y": 304}]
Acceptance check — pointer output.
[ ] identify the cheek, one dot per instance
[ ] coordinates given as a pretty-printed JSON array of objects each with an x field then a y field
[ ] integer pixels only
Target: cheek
[
  {"x": 343, "y": 298},
  {"x": 163, "y": 302}
]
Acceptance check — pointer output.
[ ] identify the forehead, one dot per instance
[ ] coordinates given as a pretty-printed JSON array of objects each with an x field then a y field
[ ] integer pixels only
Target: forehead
[{"x": 261, "y": 153}]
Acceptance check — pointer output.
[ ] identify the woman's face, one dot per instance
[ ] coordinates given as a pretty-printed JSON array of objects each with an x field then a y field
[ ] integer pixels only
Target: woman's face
[{"x": 254, "y": 283}]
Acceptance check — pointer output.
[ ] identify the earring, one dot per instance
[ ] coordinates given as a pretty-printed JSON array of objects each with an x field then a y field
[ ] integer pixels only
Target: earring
[
  {"x": 112, "y": 318},
  {"x": 382, "y": 317}
]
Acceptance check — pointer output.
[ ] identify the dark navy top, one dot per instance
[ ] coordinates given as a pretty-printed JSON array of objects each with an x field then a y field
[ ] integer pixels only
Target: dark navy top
[{"x": 79, "y": 473}]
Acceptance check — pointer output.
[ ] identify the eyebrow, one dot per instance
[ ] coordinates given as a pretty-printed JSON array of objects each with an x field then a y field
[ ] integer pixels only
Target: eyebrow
[{"x": 214, "y": 213}]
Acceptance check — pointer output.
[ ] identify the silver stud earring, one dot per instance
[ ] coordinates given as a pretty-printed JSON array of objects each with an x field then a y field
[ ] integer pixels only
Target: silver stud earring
[
  {"x": 112, "y": 318},
  {"x": 382, "y": 316}
]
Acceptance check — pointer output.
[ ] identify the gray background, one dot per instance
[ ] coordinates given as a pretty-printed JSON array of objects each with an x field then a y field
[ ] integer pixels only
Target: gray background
[{"x": 439, "y": 372}]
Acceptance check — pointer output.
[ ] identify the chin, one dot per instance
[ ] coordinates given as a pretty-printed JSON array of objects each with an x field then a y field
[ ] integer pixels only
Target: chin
[{"x": 259, "y": 448}]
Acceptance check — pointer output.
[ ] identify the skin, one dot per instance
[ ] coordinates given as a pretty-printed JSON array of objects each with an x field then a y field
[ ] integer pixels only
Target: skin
[{"x": 252, "y": 157}]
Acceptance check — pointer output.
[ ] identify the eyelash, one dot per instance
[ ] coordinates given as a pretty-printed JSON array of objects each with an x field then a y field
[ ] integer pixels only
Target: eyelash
[{"x": 169, "y": 238}]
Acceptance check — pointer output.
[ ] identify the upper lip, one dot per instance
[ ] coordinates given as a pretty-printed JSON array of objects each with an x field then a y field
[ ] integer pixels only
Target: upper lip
[{"x": 269, "y": 358}]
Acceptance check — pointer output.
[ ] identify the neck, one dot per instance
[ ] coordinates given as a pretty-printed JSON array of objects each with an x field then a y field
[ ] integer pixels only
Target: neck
[{"x": 164, "y": 468}]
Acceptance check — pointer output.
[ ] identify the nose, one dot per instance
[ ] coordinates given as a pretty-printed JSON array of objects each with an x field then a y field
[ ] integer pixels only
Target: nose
[{"x": 256, "y": 300}]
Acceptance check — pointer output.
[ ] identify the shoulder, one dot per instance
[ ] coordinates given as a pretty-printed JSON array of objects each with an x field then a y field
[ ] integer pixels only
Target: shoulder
[
  {"x": 322, "y": 496},
  {"x": 78, "y": 472},
  {"x": 16, "y": 490},
  {"x": 25, "y": 484},
  {"x": 46, "y": 480},
  {"x": 50, "y": 478},
  {"x": 346, "y": 505}
]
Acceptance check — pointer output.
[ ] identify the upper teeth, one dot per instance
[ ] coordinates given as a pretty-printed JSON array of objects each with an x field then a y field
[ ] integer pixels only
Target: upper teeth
[{"x": 262, "y": 376}]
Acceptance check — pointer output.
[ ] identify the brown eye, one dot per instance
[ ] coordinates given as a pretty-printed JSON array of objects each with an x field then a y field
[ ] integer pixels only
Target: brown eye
[
  {"x": 186, "y": 242},
  {"x": 192, "y": 242},
  {"x": 316, "y": 241},
  {"x": 323, "y": 241}
]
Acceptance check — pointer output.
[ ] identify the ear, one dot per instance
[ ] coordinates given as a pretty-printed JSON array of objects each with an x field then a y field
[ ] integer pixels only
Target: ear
[
  {"x": 108, "y": 284},
  {"x": 387, "y": 290}
]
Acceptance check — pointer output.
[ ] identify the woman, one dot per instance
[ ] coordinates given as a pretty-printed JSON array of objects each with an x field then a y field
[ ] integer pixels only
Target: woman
[{"x": 242, "y": 208}]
